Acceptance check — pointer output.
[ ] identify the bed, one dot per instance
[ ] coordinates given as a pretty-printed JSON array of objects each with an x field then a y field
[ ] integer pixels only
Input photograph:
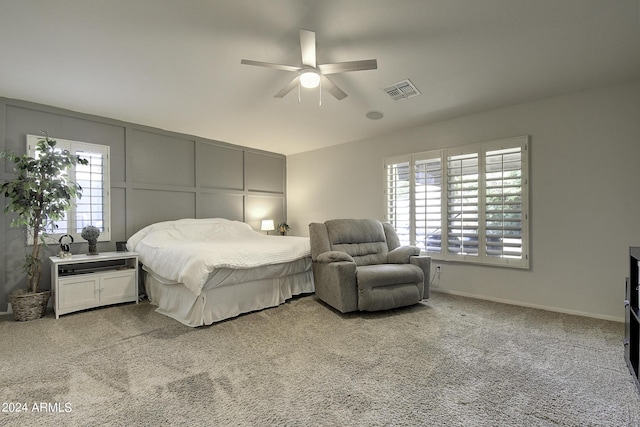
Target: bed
[{"x": 202, "y": 271}]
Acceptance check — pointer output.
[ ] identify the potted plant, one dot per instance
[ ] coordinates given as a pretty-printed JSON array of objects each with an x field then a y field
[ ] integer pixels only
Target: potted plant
[
  {"x": 91, "y": 233},
  {"x": 283, "y": 228},
  {"x": 39, "y": 195}
]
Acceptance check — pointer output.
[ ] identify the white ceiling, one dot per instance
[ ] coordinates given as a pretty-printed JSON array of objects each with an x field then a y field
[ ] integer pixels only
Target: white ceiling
[{"x": 175, "y": 64}]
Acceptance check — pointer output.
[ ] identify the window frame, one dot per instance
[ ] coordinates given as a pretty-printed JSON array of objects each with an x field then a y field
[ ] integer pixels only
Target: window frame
[
  {"x": 445, "y": 154},
  {"x": 75, "y": 147}
]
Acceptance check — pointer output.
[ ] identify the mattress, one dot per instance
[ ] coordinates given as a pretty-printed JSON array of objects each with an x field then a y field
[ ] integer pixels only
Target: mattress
[
  {"x": 229, "y": 293},
  {"x": 200, "y": 271},
  {"x": 190, "y": 251}
]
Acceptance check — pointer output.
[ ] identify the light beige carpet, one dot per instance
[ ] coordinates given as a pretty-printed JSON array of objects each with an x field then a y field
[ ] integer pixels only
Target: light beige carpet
[{"x": 450, "y": 362}]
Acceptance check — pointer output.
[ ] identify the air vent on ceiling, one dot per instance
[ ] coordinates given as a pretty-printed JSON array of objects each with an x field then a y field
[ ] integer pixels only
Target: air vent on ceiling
[{"x": 402, "y": 90}]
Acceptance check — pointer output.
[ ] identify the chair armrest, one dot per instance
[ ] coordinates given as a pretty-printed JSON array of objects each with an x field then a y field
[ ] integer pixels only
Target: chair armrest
[
  {"x": 335, "y": 284},
  {"x": 334, "y": 256},
  {"x": 402, "y": 254},
  {"x": 424, "y": 262}
]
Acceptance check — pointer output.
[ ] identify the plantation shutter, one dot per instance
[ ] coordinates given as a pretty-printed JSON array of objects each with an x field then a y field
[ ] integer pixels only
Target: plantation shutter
[
  {"x": 503, "y": 203},
  {"x": 398, "y": 197},
  {"x": 60, "y": 226},
  {"x": 93, "y": 207},
  {"x": 90, "y": 208},
  {"x": 462, "y": 204},
  {"x": 467, "y": 203},
  {"x": 428, "y": 202}
]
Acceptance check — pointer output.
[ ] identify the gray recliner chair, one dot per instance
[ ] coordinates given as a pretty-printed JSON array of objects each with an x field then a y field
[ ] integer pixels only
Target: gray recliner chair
[{"x": 358, "y": 264}]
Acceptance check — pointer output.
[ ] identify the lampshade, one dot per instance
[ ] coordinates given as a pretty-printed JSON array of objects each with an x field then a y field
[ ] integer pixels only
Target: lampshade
[
  {"x": 267, "y": 225},
  {"x": 310, "y": 79}
]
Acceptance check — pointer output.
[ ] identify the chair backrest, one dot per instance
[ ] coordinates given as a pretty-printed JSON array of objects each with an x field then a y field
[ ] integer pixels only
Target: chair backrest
[{"x": 364, "y": 239}]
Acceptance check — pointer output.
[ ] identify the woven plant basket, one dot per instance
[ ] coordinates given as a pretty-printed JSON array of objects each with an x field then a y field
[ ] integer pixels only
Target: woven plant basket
[{"x": 29, "y": 306}]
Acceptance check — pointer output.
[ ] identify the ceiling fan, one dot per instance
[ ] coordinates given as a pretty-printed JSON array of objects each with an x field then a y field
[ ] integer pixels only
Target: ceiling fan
[{"x": 310, "y": 74}]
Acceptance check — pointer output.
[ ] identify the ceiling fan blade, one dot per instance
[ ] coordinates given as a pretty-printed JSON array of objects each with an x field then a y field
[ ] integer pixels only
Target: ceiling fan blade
[
  {"x": 308, "y": 47},
  {"x": 288, "y": 87},
  {"x": 332, "y": 88},
  {"x": 343, "y": 67},
  {"x": 270, "y": 65}
]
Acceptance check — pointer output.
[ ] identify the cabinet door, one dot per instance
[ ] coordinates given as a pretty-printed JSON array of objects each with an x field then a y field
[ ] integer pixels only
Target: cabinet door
[
  {"x": 118, "y": 287},
  {"x": 78, "y": 291}
]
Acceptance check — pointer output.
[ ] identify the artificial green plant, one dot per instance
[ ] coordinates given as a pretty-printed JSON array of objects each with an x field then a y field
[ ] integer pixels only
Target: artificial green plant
[
  {"x": 39, "y": 195},
  {"x": 283, "y": 228}
]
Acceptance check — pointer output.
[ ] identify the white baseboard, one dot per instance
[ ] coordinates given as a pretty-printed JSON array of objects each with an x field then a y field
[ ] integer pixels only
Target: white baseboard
[{"x": 521, "y": 304}]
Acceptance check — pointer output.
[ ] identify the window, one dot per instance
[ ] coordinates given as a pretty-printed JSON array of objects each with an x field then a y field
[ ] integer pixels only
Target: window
[
  {"x": 465, "y": 203},
  {"x": 93, "y": 208},
  {"x": 398, "y": 198},
  {"x": 428, "y": 202}
]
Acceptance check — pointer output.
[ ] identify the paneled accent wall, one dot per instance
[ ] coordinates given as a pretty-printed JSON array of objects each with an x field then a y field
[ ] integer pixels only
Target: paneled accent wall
[{"x": 156, "y": 175}]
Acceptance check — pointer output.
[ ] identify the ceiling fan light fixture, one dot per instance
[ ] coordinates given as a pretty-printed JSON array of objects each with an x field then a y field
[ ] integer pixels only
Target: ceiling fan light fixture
[
  {"x": 310, "y": 74},
  {"x": 310, "y": 79}
]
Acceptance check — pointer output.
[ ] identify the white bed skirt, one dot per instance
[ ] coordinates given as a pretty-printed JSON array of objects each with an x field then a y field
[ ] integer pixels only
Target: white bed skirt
[{"x": 224, "y": 302}]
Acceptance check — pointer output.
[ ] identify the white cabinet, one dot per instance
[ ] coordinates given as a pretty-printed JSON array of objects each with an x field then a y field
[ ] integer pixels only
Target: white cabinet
[{"x": 80, "y": 282}]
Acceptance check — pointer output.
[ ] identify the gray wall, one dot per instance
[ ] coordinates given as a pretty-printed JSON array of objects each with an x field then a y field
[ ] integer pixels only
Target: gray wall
[
  {"x": 155, "y": 176},
  {"x": 584, "y": 189}
]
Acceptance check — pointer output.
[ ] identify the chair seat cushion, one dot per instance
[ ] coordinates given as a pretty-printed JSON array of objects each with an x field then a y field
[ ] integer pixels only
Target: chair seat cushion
[{"x": 373, "y": 276}]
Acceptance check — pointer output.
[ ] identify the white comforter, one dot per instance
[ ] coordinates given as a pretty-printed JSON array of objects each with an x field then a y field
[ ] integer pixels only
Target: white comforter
[{"x": 188, "y": 250}]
